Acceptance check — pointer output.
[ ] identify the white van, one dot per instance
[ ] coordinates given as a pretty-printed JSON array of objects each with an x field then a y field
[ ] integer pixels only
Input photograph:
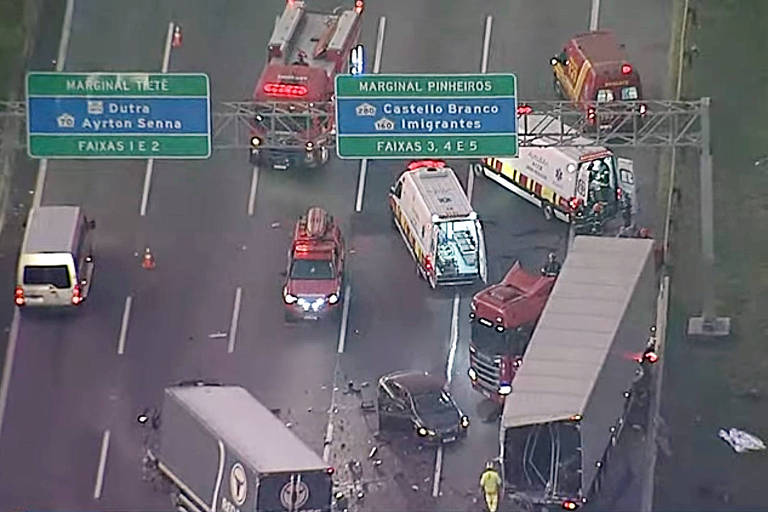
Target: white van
[
  {"x": 56, "y": 260},
  {"x": 438, "y": 225}
]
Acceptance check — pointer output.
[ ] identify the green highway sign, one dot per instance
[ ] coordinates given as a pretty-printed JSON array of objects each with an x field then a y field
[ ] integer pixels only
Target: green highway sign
[
  {"x": 118, "y": 115},
  {"x": 426, "y": 116}
]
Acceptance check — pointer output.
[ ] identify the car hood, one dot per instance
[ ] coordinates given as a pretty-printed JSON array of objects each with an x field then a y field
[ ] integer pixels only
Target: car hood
[
  {"x": 299, "y": 287},
  {"x": 441, "y": 420}
]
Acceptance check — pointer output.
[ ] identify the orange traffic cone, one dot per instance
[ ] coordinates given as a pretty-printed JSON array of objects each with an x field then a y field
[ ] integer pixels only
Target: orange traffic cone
[
  {"x": 148, "y": 261},
  {"x": 176, "y": 40}
]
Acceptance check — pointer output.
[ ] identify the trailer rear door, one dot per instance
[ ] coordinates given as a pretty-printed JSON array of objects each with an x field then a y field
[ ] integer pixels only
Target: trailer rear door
[{"x": 295, "y": 492}]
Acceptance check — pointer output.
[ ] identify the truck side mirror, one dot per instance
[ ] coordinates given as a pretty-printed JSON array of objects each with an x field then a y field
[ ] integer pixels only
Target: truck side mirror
[{"x": 392, "y": 190}]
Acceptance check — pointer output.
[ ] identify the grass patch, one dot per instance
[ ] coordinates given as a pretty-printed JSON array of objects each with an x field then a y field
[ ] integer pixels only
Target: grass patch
[{"x": 11, "y": 42}]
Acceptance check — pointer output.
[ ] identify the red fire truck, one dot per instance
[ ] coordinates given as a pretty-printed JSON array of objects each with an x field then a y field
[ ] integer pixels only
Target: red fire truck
[
  {"x": 593, "y": 68},
  {"x": 503, "y": 316},
  {"x": 294, "y": 114},
  {"x": 315, "y": 274}
]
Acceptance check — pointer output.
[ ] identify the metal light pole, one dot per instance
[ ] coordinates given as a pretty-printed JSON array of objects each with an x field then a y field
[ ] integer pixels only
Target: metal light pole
[{"x": 708, "y": 324}]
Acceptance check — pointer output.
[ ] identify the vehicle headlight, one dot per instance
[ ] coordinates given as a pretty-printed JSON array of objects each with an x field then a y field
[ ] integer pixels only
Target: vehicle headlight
[
  {"x": 309, "y": 146},
  {"x": 422, "y": 431},
  {"x": 288, "y": 298},
  {"x": 255, "y": 142},
  {"x": 472, "y": 373},
  {"x": 318, "y": 303},
  {"x": 465, "y": 421},
  {"x": 333, "y": 298},
  {"x": 505, "y": 389}
]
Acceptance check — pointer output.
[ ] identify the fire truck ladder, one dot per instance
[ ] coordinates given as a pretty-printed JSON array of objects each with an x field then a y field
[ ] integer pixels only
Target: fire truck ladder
[{"x": 286, "y": 124}]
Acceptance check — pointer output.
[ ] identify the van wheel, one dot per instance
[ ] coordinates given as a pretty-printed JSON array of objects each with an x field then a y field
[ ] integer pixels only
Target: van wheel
[{"x": 548, "y": 210}]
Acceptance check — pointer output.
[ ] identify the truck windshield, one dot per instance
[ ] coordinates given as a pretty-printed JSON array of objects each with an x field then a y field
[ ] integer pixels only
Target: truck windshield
[
  {"x": 312, "y": 269},
  {"x": 490, "y": 341}
]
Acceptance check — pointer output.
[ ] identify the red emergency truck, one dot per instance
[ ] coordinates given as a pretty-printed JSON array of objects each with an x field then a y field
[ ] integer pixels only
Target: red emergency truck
[
  {"x": 593, "y": 68},
  {"x": 503, "y": 316},
  {"x": 294, "y": 113},
  {"x": 315, "y": 274}
]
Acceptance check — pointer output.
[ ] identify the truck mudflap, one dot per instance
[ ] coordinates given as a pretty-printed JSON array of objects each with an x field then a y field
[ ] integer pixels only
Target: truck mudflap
[{"x": 295, "y": 492}]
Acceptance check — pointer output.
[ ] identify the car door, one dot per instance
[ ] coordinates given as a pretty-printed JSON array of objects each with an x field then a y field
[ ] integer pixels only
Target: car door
[{"x": 626, "y": 177}]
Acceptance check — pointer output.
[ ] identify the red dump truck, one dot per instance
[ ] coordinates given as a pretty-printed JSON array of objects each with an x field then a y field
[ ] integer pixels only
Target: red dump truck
[
  {"x": 294, "y": 117},
  {"x": 502, "y": 317}
]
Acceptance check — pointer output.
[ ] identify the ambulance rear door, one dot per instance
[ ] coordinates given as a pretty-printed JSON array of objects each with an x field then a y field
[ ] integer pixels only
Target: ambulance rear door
[
  {"x": 626, "y": 175},
  {"x": 582, "y": 182},
  {"x": 482, "y": 264}
]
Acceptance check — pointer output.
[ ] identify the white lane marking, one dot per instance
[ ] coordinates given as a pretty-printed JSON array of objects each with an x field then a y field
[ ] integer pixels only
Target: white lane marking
[
  {"x": 66, "y": 31},
  {"x": 376, "y": 68},
  {"x": 344, "y": 319},
  {"x": 147, "y": 182},
  {"x": 594, "y": 16},
  {"x": 379, "y": 44},
  {"x": 124, "y": 326},
  {"x": 167, "y": 50},
  {"x": 235, "y": 320},
  {"x": 361, "y": 184},
  {"x": 486, "y": 44},
  {"x": 10, "y": 350},
  {"x": 454, "y": 338},
  {"x": 438, "y": 472},
  {"x": 151, "y": 162},
  {"x": 252, "y": 193},
  {"x": 102, "y": 465},
  {"x": 42, "y": 171}
]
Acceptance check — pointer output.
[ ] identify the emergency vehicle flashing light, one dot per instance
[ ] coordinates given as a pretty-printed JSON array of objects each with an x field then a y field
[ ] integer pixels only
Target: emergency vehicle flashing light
[
  {"x": 330, "y": 470},
  {"x": 19, "y": 299},
  {"x": 418, "y": 164},
  {"x": 255, "y": 141},
  {"x": 591, "y": 114},
  {"x": 569, "y": 505},
  {"x": 523, "y": 110},
  {"x": 626, "y": 69},
  {"x": 428, "y": 263},
  {"x": 285, "y": 90},
  {"x": 359, "y": 4},
  {"x": 505, "y": 389},
  {"x": 651, "y": 356},
  {"x": 643, "y": 108},
  {"x": 574, "y": 203}
]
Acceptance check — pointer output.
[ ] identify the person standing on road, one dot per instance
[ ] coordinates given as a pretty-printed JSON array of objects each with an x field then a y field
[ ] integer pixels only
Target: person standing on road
[{"x": 490, "y": 483}]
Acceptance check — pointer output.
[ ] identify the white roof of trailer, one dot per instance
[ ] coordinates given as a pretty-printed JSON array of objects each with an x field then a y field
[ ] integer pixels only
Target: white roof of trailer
[
  {"x": 248, "y": 427},
  {"x": 576, "y": 331}
]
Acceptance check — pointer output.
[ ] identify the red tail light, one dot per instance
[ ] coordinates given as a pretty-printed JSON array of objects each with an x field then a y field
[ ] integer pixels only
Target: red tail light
[
  {"x": 574, "y": 203},
  {"x": 619, "y": 193},
  {"x": 358, "y": 6},
  {"x": 570, "y": 505},
  {"x": 330, "y": 470},
  {"x": 626, "y": 69},
  {"x": 418, "y": 164},
  {"x": 651, "y": 357},
  {"x": 428, "y": 263},
  {"x": 76, "y": 297},
  {"x": 302, "y": 247},
  {"x": 19, "y": 296},
  {"x": 285, "y": 90},
  {"x": 591, "y": 114},
  {"x": 523, "y": 110}
]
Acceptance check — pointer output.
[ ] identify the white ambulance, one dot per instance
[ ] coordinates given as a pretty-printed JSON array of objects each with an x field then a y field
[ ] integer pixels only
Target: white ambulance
[
  {"x": 560, "y": 180},
  {"x": 438, "y": 225}
]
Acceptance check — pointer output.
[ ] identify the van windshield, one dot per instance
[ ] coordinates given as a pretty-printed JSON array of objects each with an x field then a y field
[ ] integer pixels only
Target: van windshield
[{"x": 55, "y": 275}]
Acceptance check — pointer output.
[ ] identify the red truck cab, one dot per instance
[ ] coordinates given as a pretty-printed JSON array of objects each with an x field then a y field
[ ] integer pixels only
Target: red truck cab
[
  {"x": 315, "y": 275},
  {"x": 294, "y": 115},
  {"x": 503, "y": 316},
  {"x": 593, "y": 69}
]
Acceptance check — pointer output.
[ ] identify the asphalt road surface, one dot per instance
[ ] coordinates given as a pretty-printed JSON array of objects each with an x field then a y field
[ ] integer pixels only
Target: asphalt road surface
[{"x": 76, "y": 377}]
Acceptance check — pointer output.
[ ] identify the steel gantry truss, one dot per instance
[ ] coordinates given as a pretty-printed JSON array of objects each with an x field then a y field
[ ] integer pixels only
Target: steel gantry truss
[{"x": 541, "y": 123}]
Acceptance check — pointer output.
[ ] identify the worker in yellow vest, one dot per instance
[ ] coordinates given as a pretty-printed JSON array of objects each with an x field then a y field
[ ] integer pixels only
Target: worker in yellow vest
[{"x": 490, "y": 482}]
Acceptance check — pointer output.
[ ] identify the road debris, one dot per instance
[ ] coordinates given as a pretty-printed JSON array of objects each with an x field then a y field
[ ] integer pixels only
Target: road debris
[
  {"x": 217, "y": 335},
  {"x": 289, "y": 424},
  {"x": 372, "y": 453},
  {"x": 415, "y": 488},
  {"x": 365, "y": 384},
  {"x": 368, "y": 405},
  {"x": 741, "y": 441},
  {"x": 275, "y": 225}
]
